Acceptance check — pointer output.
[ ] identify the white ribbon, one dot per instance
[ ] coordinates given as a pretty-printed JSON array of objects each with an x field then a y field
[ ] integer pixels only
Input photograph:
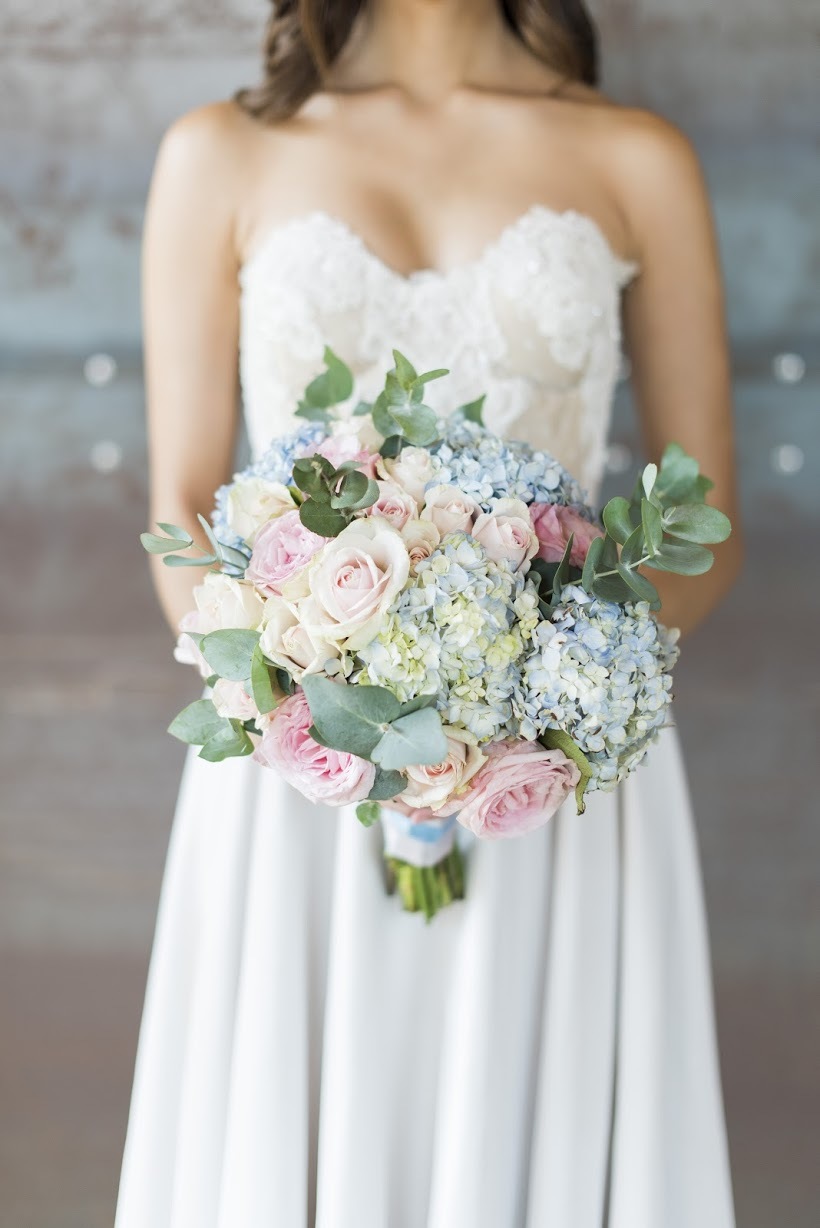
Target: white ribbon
[{"x": 423, "y": 842}]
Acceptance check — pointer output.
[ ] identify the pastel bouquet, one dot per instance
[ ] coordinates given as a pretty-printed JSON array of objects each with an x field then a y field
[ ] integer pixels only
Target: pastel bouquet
[{"x": 409, "y": 614}]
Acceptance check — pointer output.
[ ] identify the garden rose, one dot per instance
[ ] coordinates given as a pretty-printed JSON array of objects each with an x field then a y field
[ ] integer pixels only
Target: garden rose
[
  {"x": 506, "y": 532},
  {"x": 432, "y": 785},
  {"x": 286, "y": 642},
  {"x": 421, "y": 538},
  {"x": 353, "y": 582},
  {"x": 518, "y": 789},
  {"x": 232, "y": 700},
  {"x": 253, "y": 502},
  {"x": 394, "y": 504},
  {"x": 450, "y": 509},
  {"x": 344, "y": 447},
  {"x": 332, "y": 777},
  {"x": 553, "y": 525},
  {"x": 283, "y": 549},
  {"x": 223, "y": 603},
  {"x": 412, "y": 469}
]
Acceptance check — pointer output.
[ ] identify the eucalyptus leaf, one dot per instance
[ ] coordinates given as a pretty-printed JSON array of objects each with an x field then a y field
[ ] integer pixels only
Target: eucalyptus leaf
[
  {"x": 350, "y": 490},
  {"x": 321, "y": 518},
  {"x": 648, "y": 478},
  {"x": 362, "y": 408},
  {"x": 683, "y": 559},
  {"x": 592, "y": 562},
  {"x": 176, "y": 531},
  {"x": 652, "y": 526},
  {"x": 473, "y": 411},
  {"x": 369, "y": 497},
  {"x": 235, "y": 557},
  {"x": 335, "y": 384},
  {"x": 643, "y": 589},
  {"x": 350, "y": 718},
  {"x": 230, "y": 743},
  {"x": 632, "y": 551},
  {"x": 284, "y": 681},
  {"x": 178, "y": 560},
  {"x": 697, "y": 522},
  {"x": 413, "y": 739},
  {"x": 261, "y": 685},
  {"x": 160, "y": 545},
  {"x": 405, "y": 371},
  {"x": 368, "y": 813},
  {"x": 418, "y": 423},
  {"x": 561, "y": 576},
  {"x": 392, "y": 445},
  {"x": 426, "y": 376},
  {"x": 230, "y": 652},
  {"x": 617, "y": 520},
  {"x": 197, "y": 723},
  {"x": 386, "y": 785},
  {"x": 612, "y": 588},
  {"x": 420, "y": 701}
]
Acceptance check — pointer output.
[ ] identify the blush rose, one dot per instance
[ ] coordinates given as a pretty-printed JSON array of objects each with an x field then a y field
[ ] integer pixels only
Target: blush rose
[
  {"x": 517, "y": 790},
  {"x": 553, "y": 525},
  {"x": 283, "y": 548}
]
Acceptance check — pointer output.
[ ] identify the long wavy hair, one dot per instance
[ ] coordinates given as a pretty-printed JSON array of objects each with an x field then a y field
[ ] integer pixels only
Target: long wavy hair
[{"x": 304, "y": 37}]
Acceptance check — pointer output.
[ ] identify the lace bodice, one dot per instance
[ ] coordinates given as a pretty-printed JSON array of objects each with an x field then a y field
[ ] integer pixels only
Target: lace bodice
[{"x": 533, "y": 321}]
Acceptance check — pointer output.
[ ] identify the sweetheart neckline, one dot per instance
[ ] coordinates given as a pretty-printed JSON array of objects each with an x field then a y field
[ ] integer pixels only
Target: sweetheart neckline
[{"x": 624, "y": 268}]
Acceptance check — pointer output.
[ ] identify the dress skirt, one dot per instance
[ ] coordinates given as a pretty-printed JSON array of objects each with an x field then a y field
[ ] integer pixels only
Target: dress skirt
[{"x": 541, "y": 1055}]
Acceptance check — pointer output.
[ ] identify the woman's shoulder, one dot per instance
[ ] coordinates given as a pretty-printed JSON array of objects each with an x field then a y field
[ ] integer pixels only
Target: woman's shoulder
[{"x": 213, "y": 131}]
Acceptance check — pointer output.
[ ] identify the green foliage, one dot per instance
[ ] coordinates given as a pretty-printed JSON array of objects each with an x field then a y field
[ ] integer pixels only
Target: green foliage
[
  {"x": 664, "y": 526},
  {"x": 428, "y": 889},
  {"x": 399, "y": 409},
  {"x": 386, "y": 785},
  {"x": 230, "y": 742},
  {"x": 368, "y": 813},
  {"x": 197, "y": 723},
  {"x": 234, "y": 562},
  {"x": 330, "y": 388},
  {"x": 473, "y": 411},
  {"x": 556, "y": 739},
  {"x": 230, "y": 653},
  {"x": 262, "y": 681},
  {"x": 333, "y": 496},
  {"x": 415, "y": 738}
]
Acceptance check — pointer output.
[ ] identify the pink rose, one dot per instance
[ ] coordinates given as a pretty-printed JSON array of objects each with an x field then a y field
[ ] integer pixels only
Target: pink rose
[
  {"x": 395, "y": 505},
  {"x": 329, "y": 777},
  {"x": 282, "y": 549},
  {"x": 450, "y": 509},
  {"x": 344, "y": 447},
  {"x": 553, "y": 525},
  {"x": 519, "y": 788},
  {"x": 507, "y": 533},
  {"x": 432, "y": 786}
]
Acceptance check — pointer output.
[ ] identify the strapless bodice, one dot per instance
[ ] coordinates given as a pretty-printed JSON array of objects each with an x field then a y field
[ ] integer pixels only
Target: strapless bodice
[{"x": 533, "y": 322}]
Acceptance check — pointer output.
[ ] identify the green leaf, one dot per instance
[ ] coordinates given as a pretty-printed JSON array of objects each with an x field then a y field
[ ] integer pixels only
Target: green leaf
[
  {"x": 420, "y": 701},
  {"x": 176, "y": 531},
  {"x": 312, "y": 475},
  {"x": 556, "y": 739},
  {"x": 386, "y": 785},
  {"x": 697, "y": 522},
  {"x": 176, "y": 560},
  {"x": 652, "y": 526},
  {"x": 335, "y": 384},
  {"x": 418, "y": 424},
  {"x": 648, "y": 478},
  {"x": 682, "y": 560},
  {"x": 678, "y": 474},
  {"x": 229, "y": 653},
  {"x": 350, "y": 489},
  {"x": 425, "y": 378},
  {"x": 368, "y": 813},
  {"x": 473, "y": 411},
  {"x": 633, "y": 549},
  {"x": 160, "y": 545},
  {"x": 617, "y": 520},
  {"x": 284, "y": 680},
  {"x": 405, "y": 371},
  {"x": 641, "y": 587},
  {"x": 592, "y": 561},
  {"x": 350, "y": 718},
  {"x": 392, "y": 445},
  {"x": 561, "y": 576},
  {"x": 700, "y": 489},
  {"x": 415, "y": 738},
  {"x": 362, "y": 408},
  {"x": 369, "y": 497},
  {"x": 197, "y": 723},
  {"x": 230, "y": 743},
  {"x": 321, "y": 518},
  {"x": 261, "y": 685},
  {"x": 612, "y": 588}
]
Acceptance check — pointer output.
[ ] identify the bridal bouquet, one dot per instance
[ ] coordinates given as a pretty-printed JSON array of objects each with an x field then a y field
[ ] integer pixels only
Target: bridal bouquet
[{"x": 412, "y": 615}]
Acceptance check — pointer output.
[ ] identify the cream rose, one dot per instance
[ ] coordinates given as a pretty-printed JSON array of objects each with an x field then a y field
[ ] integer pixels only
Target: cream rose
[
  {"x": 286, "y": 641},
  {"x": 232, "y": 700},
  {"x": 421, "y": 538},
  {"x": 433, "y": 786},
  {"x": 506, "y": 532},
  {"x": 394, "y": 504},
  {"x": 353, "y": 582},
  {"x": 412, "y": 469},
  {"x": 450, "y": 510},
  {"x": 224, "y": 603},
  {"x": 253, "y": 502}
]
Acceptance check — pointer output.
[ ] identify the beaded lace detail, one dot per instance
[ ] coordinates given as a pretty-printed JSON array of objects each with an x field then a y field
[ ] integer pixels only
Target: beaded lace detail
[{"x": 533, "y": 321}]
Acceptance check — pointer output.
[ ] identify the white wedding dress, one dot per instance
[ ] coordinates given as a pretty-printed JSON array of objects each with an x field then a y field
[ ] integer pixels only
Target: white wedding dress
[{"x": 542, "y": 1055}]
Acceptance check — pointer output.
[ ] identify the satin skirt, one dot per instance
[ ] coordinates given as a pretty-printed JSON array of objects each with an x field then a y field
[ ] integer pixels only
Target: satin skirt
[{"x": 541, "y": 1055}]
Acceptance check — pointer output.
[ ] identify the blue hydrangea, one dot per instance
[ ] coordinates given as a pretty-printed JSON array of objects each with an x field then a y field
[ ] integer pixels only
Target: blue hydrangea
[
  {"x": 461, "y": 629},
  {"x": 487, "y": 467},
  {"x": 600, "y": 672}
]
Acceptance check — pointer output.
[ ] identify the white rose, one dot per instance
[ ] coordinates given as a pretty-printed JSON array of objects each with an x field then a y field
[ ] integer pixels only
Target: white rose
[
  {"x": 286, "y": 641},
  {"x": 353, "y": 582},
  {"x": 421, "y": 538},
  {"x": 434, "y": 785},
  {"x": 394, "y": 504},
  {"x": 253, "y": 502},
  {"x": 450, "y": 509},
  {"x": 507, "y": 533},
  {"x": 412, "y": 469},
  {"x": 232, "y": 700},
  {"x": 225, "y": 603}
]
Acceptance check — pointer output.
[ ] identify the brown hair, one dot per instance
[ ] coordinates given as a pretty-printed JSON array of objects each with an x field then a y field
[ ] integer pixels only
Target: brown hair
[{"x": 304, "y": 37}]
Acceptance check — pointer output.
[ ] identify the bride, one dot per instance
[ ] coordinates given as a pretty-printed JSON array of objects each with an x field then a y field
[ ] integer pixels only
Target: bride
[{"x": 441, "y": 176}]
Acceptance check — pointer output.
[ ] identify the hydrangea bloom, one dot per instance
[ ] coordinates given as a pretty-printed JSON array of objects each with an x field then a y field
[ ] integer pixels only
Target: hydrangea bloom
[
  {"x": 600, "y": 672},
  {"x": 460, "y": 630},
  {"x": 487, "y": 467}
]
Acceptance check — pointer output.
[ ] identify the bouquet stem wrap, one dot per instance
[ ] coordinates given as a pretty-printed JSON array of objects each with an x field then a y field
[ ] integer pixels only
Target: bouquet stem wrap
[{"x": 424, "y": 860}]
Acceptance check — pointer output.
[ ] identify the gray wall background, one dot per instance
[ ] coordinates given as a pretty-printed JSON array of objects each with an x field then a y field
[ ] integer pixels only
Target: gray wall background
[{"x": 86, "y": 689}]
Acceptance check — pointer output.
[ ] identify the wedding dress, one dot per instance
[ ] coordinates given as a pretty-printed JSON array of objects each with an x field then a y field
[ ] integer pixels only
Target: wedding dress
[{"x": 542, "y": 1055}]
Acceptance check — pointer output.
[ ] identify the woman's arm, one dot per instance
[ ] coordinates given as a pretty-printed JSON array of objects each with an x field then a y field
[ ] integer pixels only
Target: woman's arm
[
  {"x": 190, "y": 329},
  {"x": 676, "y": 340}
]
